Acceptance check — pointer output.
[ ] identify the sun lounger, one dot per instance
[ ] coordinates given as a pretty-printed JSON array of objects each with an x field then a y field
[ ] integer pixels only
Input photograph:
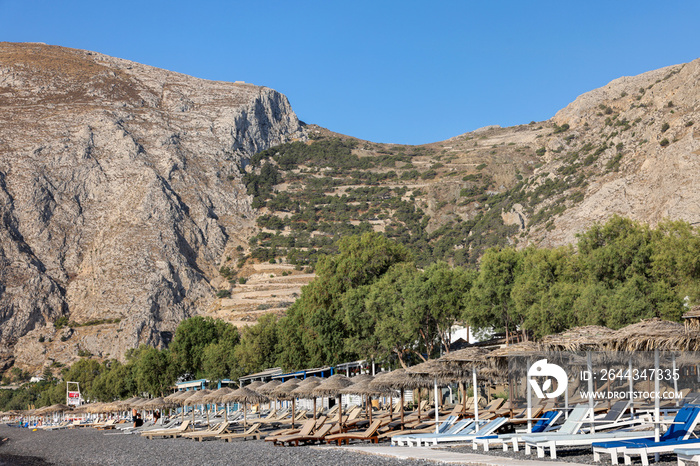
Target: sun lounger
[
  {"x": 370, "y": 434},
  {"x": 165, "y": 433},
  {"x": 541, "y": 443},
  {"x": 253, "y": 431},
  {"x": 305, "y": 429},
  {"x": 452, "y": 427},
  {"x": 687, "y": 455},
  {"x": 320, "y": 428},
  {"x": 675, "y": 437},
  {"x": 543, "y": 424},
  {"x": 487, "y": 429},
  {"x": 318, "y": 436},
  {"x": 110, "y": 424},
  {"x": 208, "y": 433}
]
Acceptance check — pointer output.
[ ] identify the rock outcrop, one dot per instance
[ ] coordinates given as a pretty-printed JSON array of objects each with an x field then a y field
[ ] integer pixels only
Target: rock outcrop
[{"x": 120, "y": 188}]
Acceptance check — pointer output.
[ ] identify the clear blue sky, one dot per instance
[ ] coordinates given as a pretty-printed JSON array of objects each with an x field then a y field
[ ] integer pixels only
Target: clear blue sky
[{"x": 394, "y": 71}]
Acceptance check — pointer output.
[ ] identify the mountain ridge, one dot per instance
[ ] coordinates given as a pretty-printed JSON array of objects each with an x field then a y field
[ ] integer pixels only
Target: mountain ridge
[{"x": 126, "y": 199}]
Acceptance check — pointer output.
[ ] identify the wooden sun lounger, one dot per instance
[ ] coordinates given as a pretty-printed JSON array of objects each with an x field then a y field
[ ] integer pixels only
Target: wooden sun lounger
[
  {"x": 110, "y": 424},
  {"x": 317, "y": 436},
  {"x": 253, "y": 431},
  {"x": 305, "y": 429},
  {"x": 369, "y": 434},
  {"x": 209, "y": 433},
  {"x": 150, "y": 434}
]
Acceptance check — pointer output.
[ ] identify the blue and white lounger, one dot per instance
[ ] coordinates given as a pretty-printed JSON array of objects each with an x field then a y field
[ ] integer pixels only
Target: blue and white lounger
[
  {"x": 676, "y": 436},
  {"x": 543, "y": 424}
]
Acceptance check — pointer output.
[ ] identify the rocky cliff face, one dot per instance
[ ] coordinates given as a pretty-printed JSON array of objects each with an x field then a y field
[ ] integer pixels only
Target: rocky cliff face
[
  {"x": 119, "y": 194},
  {"x": 650, "y": 170}
]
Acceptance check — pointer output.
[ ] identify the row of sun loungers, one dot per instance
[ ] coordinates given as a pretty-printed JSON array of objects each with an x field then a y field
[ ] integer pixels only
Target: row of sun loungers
[{"x": 614, "y": 432}]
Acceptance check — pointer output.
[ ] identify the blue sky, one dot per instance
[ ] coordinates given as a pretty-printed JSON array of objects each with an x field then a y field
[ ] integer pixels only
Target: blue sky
[{"x": 395, "y": 71}]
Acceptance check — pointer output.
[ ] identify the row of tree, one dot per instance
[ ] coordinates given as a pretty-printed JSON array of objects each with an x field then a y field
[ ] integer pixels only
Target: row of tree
[{"x": 370, "y": 301}]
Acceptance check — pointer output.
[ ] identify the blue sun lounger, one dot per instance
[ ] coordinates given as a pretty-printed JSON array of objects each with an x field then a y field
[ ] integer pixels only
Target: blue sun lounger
[
  {"x": 676, "y": 436},
  {"x": 464, "y": 436},
  {"x": 442, "y": 428},
  {"x": 687, "y": 455},
  {"x": 464, "y": 426},
  {"x": 543, "y": 424}
]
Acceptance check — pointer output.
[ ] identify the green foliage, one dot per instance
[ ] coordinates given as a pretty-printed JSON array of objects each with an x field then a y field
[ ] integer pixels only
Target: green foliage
[
  {"x": 61, "y": 322},
  {"x": 665, "y": 127},
  {"x": 192, "y": 337},
  {"x": 664, "y": 142},
  {"x": 152, "y": 370},
  {"x": 560, "y": 129},
  {"x": 258, "y": 348}
]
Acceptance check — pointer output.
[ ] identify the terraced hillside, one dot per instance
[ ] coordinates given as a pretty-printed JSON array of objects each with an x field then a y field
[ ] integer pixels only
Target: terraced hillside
[{"x": 629, "y": 148}]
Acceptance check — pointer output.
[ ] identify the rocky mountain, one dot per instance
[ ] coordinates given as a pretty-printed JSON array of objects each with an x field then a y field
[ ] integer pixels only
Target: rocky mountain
[
  {"x": 132, "y": 197},
  {"x": 120, "y": 193},
  {"x": 629, "y": 148}
]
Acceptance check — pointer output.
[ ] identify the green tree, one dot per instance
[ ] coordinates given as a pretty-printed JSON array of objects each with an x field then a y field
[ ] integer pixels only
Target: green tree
[
  {"x": 435, "y": 301},
  {"x": 396, "y": 331},
  {"x": 84, "y": 371},
  {"x": 191, "y": 338},
  {"x": 258, "y": 347},
  {"x": 152, "y": 371},
  {"x": 318, "y": 314},
  {"x": 490, "y": 302}
]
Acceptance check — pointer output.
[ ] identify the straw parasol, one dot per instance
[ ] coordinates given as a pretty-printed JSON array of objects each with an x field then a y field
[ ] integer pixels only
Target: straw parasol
[
  {"x": 217, "y": 395},
  {"x": 269, "y": 387},
  {"x": 427, "y": 374},
  {"x": 284, "y": 392},
  {"x": 399, "y": 380},
  {"x": 331, "y": 387},
  {"x": 577, "y": 338},
  {"x": 197, "y": 398},
  {"x": 245, "y": 395},
  {"x": 159, "y": 403},
  {"x": 651, "y": 334},
  {"x": 311, "y": 379},
  {"x": 306, "y": 390},
  {"x": 255, "y": 385},
  {"x": 57, "y": 408},
  {"x": 361, "y": 387}
]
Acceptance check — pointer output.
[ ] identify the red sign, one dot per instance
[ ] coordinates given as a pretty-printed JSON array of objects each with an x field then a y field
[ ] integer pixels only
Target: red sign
[{"x": 73, "y": 394}]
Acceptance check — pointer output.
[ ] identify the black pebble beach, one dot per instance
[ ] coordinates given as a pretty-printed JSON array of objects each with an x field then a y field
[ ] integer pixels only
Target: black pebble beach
[{"x": 87, "y": 446}]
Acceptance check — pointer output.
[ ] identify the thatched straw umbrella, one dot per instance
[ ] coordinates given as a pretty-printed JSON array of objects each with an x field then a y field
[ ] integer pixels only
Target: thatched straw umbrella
[
  {"x": 459, "y": 364},
  {"x": 217, "y": 396},
  {"x": 311, "y": 379},
  {"x": 331, "y": 387},
  {"x": 576, "y": 339},
  {"x": 306, "y": 390},
  {"x": 197, "y": 398},
  {"x": 180, "y": 398},
  {"x": 586, "y": 338},
  {"x": 255, "y": 385},
  {"x": 268, "y": 388},
  {"x": 245, "y": 395},
  {"x": 362, "y": 387},
  {"x": 397, "y": 379},
  {"x": 432, "y": 371},
  {"x": 498, "y": 359},
  {"x": 284, "y": 392},
  {"x": 159, "y": 403},
  {"x": 654, "y": 335}
]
